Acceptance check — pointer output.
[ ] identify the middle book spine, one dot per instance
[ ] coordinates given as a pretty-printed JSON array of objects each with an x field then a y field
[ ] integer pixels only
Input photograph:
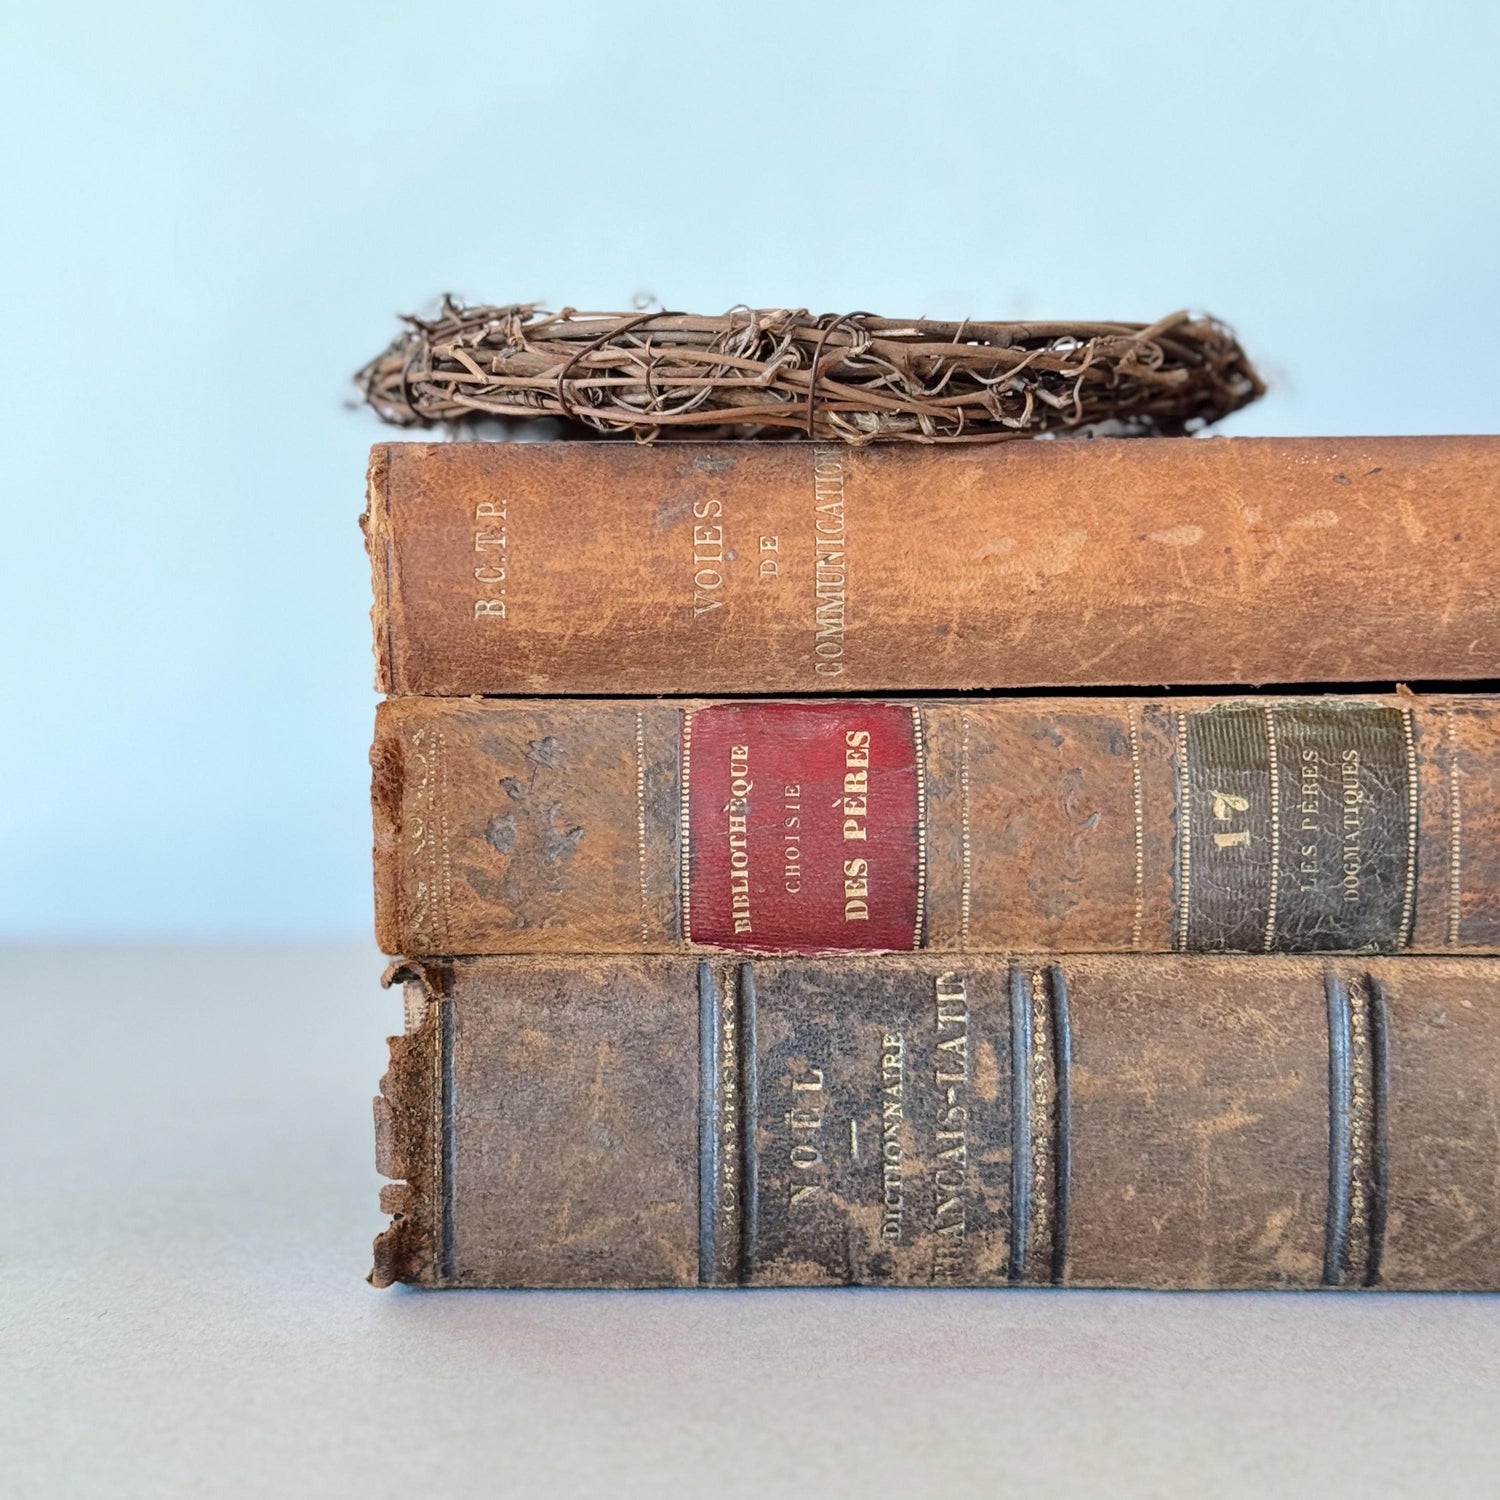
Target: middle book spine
[{"x": 1317, "y": 824}]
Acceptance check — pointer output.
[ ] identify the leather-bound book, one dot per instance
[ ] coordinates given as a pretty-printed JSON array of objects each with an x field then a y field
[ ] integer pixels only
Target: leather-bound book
[
  {"x": 756, "y": 567},
  {"x": 1263, "y": 825},
  {"x": 1147, "y": 1121}
]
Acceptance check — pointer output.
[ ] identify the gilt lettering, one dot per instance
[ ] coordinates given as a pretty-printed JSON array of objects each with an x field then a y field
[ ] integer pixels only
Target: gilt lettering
[{"x": 492, "y": 543}]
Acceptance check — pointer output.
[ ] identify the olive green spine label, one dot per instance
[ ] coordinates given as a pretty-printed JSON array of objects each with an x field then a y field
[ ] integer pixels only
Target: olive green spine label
[{"x": 1296, "y": 828}]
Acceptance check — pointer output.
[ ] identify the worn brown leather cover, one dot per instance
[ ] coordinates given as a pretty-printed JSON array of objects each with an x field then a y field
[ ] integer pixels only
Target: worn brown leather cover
[
  {"x": 1149, "y": 1121},
  {"x": 556, "y": 568},
  {"x": 1063, "y": 825}
]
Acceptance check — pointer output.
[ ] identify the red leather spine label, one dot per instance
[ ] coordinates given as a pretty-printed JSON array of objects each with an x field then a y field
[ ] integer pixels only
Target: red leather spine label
[{"x": 802, "y": 827}]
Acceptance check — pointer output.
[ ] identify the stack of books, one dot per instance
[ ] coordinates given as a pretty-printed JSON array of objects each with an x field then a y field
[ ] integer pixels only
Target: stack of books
[{"x": 760, "y": 924}]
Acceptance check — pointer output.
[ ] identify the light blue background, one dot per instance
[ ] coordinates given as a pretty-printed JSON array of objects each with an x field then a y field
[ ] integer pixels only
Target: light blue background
[{"x": 211, "y": 214}]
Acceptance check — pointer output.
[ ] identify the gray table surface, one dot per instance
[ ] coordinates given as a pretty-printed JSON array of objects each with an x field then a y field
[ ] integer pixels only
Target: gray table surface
[{"x": 188, "y": 1204}]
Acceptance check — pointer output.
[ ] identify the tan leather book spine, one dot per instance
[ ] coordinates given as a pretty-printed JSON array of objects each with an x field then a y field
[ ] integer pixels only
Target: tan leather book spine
[
  {"x": 1087, "y": 1121},
  {"x": 599, "y": 567},
  {"x": 1062, "y": 825}
]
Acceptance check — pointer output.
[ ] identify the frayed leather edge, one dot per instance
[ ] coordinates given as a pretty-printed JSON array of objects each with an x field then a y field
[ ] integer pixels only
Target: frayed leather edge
[{"x": 406, "y": 1134}]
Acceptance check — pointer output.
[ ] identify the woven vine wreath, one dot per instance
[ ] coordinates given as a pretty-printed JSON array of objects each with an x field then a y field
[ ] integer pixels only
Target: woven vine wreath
[{"x": 784, "y": 373}]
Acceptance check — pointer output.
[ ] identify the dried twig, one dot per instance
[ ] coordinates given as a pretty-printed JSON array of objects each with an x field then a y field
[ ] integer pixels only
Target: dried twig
[{"x": 784, "y": 373}]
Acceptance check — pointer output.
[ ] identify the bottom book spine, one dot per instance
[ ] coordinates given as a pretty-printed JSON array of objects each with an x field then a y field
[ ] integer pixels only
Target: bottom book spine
[{"x": 1142, "y": 1121}]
